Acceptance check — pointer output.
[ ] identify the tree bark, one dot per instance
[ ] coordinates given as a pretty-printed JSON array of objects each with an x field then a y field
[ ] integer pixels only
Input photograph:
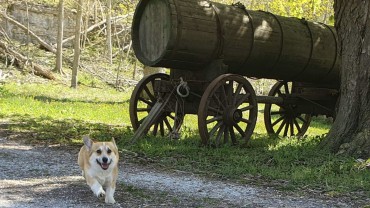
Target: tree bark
[
  {"x": 59, "y": 57},
  {"x": 109, "y": 31},
  {"x": 350, "y": 133},
  {"x": 76, "y": 59}
]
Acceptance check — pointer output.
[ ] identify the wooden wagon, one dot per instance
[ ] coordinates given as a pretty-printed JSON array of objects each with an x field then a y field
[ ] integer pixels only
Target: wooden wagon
[{"x": 210, "y": 48}]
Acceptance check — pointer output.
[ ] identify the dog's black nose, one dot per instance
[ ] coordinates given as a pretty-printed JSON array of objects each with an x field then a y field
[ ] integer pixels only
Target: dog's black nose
[{"x": 105, "y": 160}]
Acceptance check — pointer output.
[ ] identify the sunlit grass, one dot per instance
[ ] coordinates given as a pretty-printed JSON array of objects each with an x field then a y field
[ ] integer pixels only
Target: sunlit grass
[{"x": 61, "y": 102}]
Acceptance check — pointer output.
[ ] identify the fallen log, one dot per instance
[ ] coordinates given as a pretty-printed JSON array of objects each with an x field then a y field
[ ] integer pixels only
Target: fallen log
[{"x": 38, "y": 70}]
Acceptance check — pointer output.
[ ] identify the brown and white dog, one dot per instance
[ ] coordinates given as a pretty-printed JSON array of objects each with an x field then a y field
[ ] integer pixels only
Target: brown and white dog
[{"x": 99, "y": 164}]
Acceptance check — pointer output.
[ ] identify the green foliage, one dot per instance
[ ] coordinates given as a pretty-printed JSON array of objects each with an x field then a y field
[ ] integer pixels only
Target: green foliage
[
  {"x": 314, "y": 10},
  {"x": 54, "y": 113}
]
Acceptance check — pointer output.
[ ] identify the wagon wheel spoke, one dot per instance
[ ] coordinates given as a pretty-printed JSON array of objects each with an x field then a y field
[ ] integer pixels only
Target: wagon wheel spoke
[
  {"x": 155, "y": 130},
  {"x": 146, "y": 101},
  {"x": 168, "y": 125},
  {"x": 277, "y": 121},
  {"x": 215, "y": 128},
  {"x": 217, "y": 111},
  {"x": 151, "y": 96},
  {"x": 246, "y": 121},
  {"x": 286, "y": 128},
  {"x": 219, "y": 101},
  {"x": 143, "y": 109},
  {"x": 237, "y": 92},
  {"x": 281, "y": 127},
  {"x": 214, "y": 119},
  {"x": 219, "y": 134},
  {"x": 243, "y": 99},
  {"x": 286, "y": 88},
  {"x": 277, "y": 112},
  {"x": 142, "y": 120},
  {"x": 226, "y": 135},
  {"x": 250, "y": 107},
  {"x": 291, "y": 127},
  {"x": 240, "y": 130},
  {"x": 297, "y": 125},
  {"x": 232, "y": 135},
  {"x": 171, "y": 117},
  {"x": 152, "y": 83},
  {"x": 279, "y": 93},
  {"x": 223, "y": 94},
  {"x": 161, "y": 127},
  {"x": 302, "y": 119},
  {"x": 229, "y": 92}
]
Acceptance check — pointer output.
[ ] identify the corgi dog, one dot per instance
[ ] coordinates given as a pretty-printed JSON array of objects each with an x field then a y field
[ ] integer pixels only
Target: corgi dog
[{"x": 99, "y": 164}]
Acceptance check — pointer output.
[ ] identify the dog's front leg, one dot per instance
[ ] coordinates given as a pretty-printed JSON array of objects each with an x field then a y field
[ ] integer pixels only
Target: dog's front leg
[
  {"x": 95, "y": 186},
  {"x": 110, "y": 192}
]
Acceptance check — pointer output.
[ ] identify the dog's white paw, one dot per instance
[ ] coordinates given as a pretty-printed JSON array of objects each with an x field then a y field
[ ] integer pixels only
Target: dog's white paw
[
  {"x": 98, "y": 190},
  {"x": 100, "y": 193},
  {"x": 109, "y": 200}
]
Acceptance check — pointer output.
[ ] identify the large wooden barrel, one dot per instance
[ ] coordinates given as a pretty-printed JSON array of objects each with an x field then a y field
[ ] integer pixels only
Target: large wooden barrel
[{"x": 189, "y": 34}]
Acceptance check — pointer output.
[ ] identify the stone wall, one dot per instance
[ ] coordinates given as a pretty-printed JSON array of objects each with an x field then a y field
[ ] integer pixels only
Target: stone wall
[{"x": 42, "y": 20}]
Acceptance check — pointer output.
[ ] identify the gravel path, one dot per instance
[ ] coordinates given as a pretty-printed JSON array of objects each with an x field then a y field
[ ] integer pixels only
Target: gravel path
[{"x": 38, "y": 176}]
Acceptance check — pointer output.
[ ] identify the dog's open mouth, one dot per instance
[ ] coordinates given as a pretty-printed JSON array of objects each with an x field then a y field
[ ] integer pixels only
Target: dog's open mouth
[{"x": 103, "y": 165}]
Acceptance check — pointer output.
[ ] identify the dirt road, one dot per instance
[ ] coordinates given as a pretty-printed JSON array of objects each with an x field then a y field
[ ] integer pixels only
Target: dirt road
[{"x": 48, "y": 176}]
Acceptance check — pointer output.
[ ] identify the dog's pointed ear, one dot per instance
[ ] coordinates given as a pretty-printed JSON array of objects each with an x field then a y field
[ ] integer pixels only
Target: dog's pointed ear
[
  {"x": 114, "y": 142},
  {"x": 88, "y": 142}
]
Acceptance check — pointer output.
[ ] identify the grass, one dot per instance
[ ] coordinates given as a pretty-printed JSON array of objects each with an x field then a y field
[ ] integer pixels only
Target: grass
[{"x": 54, "y": 113}]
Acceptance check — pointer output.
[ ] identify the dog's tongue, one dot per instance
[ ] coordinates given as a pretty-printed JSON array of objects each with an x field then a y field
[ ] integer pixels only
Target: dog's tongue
[{"x": 105, "y": 165}]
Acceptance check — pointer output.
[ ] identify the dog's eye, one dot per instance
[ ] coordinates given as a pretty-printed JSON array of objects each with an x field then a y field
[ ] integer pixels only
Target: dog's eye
[
  {"x": 109, "y": 151},
  {"x": 98, "y": 151}
]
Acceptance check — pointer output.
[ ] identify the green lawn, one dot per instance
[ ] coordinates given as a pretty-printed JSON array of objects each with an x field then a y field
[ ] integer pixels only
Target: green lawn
[{"x": 55, "y": 113}]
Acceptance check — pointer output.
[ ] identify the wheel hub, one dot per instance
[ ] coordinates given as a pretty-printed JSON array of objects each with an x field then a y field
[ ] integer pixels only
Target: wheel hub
[{"x": 233, "y": 116}]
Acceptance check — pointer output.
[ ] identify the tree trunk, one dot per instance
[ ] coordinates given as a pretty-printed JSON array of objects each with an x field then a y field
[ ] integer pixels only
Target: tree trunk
[
  {"x": 76, "y": 59},
  {"x": 109, "y": 31},
  {"x": 59, "y": 58},
  {"x": 350, "y": 133}
]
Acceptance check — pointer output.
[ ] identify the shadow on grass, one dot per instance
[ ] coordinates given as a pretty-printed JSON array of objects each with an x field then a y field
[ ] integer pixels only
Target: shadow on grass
[
  {"x": 52, "y": 131},
  {"x": 48, "y": 99}
]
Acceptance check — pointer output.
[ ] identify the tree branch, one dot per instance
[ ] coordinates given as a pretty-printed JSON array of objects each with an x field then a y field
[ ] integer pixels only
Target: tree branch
[
  {"x": 92, "y": 27},
  {"x": 18, "y": 24}
]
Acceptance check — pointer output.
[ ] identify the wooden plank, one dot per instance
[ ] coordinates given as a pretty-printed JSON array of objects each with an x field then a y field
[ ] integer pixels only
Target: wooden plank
[
  {"x": 190, "y": 23},
  {"x": 152, "y": 117}
]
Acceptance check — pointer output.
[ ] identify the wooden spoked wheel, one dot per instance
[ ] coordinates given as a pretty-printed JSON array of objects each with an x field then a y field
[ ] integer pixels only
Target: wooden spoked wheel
[
  {"x": 227, "y": 111},
  {"x": 283, "y": 119},
  {"x": 142, "y": 100}
]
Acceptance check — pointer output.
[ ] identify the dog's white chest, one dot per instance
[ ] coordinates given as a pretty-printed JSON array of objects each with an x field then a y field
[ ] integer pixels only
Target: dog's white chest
[{"x": 100, "y": 175}]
